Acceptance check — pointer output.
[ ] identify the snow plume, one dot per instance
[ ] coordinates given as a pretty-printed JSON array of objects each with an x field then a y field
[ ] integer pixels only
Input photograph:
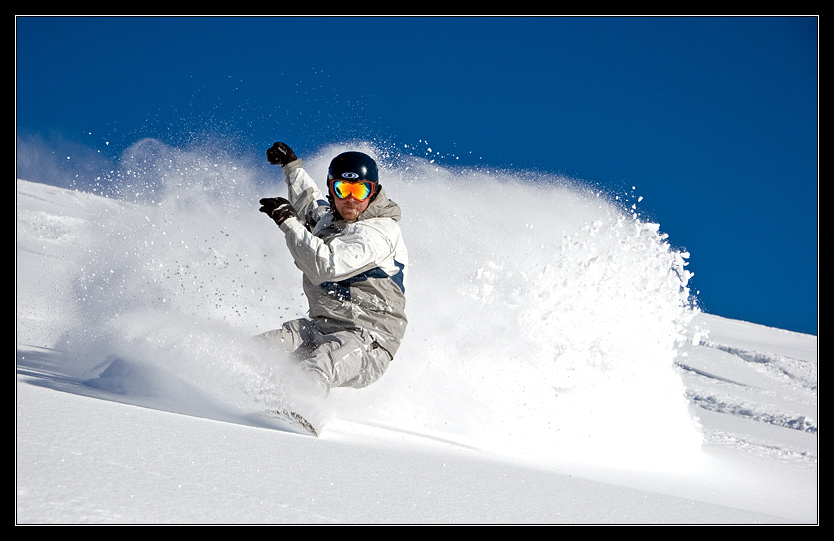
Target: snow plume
[
  {"x": 178, "y": 277},
  {"x": 545, "y": 316}
]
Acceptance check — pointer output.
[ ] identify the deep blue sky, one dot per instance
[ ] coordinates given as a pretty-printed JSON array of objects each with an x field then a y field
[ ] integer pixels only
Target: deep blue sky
[{"x": 713, "y": 120}]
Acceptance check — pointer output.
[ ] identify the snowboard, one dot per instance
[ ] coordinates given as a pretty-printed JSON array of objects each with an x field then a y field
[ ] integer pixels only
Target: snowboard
[{"x": 294, "y": 421}]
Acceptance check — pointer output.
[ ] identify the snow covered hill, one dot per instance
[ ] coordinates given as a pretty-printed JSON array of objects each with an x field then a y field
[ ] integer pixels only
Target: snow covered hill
[{"x": 555, "y": 369}]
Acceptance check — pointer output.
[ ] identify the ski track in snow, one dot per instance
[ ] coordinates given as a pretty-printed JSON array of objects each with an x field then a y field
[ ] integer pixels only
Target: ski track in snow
[
  {"x": 537, "y": 306},
  {"x": 765, "y": 388}
]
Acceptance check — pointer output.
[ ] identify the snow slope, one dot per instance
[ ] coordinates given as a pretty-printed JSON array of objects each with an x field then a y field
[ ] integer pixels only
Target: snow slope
[{"x": 555, "y": 369}]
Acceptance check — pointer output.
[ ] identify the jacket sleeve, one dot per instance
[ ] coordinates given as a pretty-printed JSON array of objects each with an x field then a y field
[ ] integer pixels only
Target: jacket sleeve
[
  {"x": 304, "y": 195},
  {"x": 360, "y": 248}
]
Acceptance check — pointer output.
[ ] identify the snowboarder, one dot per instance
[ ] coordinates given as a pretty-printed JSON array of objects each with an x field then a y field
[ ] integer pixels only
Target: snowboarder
[{"x": 350, "y": 250}]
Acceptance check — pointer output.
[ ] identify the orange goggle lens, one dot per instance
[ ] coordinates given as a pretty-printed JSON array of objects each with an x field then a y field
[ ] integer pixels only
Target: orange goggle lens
[{"x": 359, "y": 190}]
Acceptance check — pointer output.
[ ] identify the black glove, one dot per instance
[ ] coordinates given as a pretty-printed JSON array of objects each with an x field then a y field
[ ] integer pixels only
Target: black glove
[
  {"x": 277, "y": 208},
  {"x": 280, "y": 154}
]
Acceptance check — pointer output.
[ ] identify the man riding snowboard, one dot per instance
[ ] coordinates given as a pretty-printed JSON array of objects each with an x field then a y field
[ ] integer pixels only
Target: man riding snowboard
[{"x": 350, "y": 250}]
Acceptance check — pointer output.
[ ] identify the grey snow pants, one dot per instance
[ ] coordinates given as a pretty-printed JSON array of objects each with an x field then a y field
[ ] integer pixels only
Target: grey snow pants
[{"x": 346, "y": 358}]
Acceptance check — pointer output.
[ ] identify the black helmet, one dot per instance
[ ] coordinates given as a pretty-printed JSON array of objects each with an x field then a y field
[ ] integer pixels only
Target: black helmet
[{"x": 352, "y": 166}]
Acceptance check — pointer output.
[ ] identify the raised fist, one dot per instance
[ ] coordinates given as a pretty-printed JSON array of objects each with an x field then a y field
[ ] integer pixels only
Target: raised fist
[{"x": 280, "y": 154}]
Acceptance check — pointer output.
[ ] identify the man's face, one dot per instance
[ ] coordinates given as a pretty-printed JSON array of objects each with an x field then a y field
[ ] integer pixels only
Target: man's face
[{"x": 350, "y": 208}]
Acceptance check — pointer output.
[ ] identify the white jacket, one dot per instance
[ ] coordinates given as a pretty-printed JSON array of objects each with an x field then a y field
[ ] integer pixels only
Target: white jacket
[{"x": 354, "y": 272}]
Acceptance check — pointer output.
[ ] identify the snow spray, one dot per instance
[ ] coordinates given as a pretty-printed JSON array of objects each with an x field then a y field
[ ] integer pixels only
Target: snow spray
[{"x": 545, "y": 315}]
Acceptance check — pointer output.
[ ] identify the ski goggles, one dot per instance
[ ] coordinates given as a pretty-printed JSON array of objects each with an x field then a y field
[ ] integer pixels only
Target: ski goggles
[{"x": 358, "y": 190}]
